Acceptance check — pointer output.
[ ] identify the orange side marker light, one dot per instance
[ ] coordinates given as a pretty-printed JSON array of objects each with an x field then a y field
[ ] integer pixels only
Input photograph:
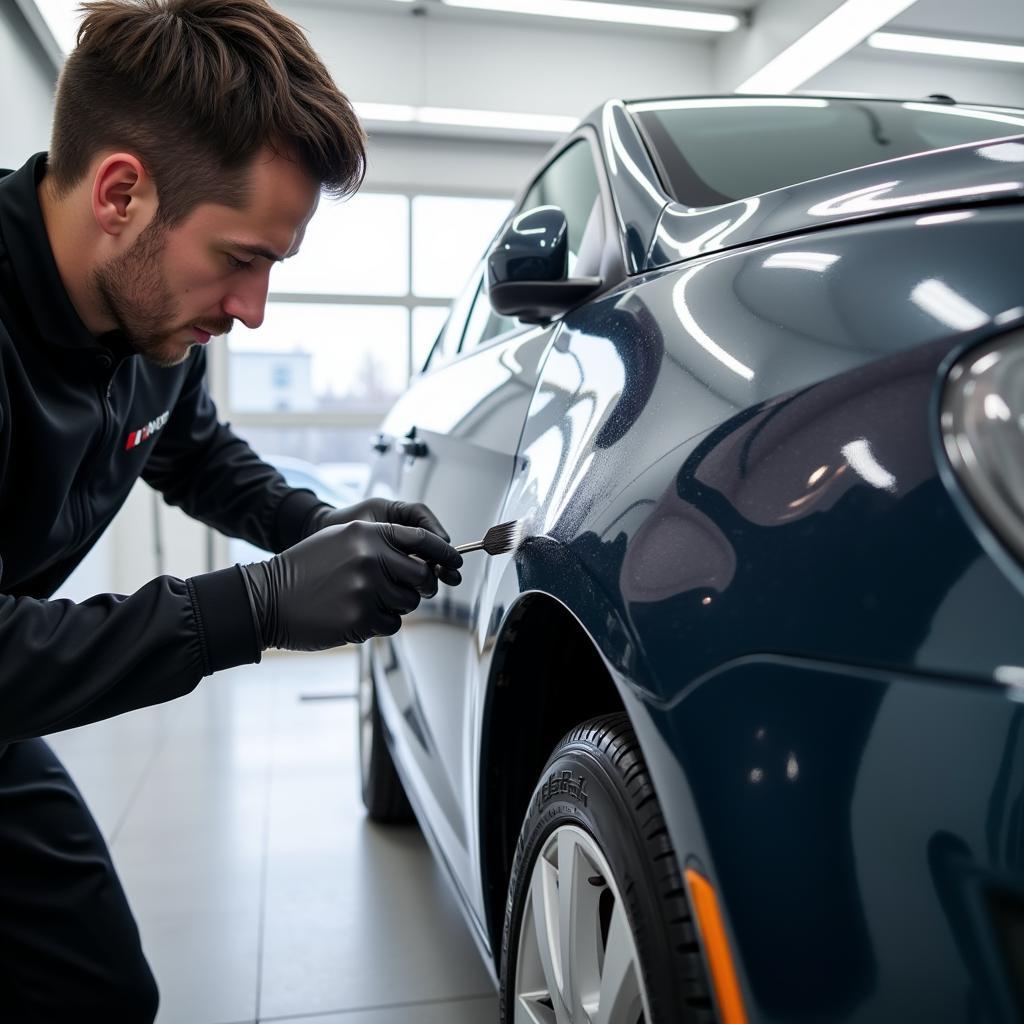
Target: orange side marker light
[{"x": 716, "y": 948}]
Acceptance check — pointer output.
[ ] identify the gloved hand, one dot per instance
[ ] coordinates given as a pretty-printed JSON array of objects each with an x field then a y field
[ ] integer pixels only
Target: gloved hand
[
  {"x": 380, "y": 510},
  {"x": 345, "y": 584}
]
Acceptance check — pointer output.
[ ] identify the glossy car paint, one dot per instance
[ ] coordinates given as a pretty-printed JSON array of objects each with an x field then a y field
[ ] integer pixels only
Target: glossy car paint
[
  {"x": 728, "y": 470},
  {"x": 469, "y": 418},
  {"x": 959, "y": 176},
  {"x": 639, "y": 199}
]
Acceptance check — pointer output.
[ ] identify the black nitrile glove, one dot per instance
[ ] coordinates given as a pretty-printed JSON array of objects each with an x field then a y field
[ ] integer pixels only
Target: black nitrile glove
[
  {"x": 380, "y": 510},
  {"x": 344, "y": 584}
]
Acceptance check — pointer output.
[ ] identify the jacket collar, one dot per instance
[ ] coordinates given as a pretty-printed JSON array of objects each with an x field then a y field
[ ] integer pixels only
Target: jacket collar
[{"x": 32, "y": 268}]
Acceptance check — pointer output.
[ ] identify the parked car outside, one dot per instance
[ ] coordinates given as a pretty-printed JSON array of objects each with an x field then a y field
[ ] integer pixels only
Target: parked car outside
[{"x": 735, "y": 732}]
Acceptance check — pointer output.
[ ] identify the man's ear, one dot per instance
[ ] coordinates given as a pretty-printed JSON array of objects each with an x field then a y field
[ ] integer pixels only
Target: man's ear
[{"x": 124, "y": 198}]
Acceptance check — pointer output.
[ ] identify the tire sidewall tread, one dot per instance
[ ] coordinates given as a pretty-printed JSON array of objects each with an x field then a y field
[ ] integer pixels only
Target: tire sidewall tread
[{"x": 621, "y": 813}]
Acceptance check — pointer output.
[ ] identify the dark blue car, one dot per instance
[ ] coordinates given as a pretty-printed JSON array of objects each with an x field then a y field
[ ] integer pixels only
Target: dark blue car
[{"x": 736, "y": 732}]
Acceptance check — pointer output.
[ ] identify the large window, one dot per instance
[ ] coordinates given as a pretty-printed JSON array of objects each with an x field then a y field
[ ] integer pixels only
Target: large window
[
  {"x": 349, "y": 320},
  {"x": 353, "y": 315}
]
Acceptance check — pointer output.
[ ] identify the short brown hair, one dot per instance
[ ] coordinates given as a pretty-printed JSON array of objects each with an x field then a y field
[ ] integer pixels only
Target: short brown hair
[{"x": 196, "y": 88}]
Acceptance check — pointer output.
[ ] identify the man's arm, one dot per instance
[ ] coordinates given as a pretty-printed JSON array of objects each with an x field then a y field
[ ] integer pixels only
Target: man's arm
[
  {"x": 64, "y": 664},
  {"x": 200, "y": 465}
]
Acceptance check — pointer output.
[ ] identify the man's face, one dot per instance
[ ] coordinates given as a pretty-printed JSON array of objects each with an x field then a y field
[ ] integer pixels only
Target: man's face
[{"x": 177, "y": 287}]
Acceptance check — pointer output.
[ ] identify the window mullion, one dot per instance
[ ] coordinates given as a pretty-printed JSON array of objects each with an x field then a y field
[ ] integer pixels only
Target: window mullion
[{"x": 409, "y": 293}]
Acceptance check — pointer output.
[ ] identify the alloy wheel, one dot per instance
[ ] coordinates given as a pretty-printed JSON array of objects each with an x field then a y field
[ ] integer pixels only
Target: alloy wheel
[{"x": 577, "y": 961}]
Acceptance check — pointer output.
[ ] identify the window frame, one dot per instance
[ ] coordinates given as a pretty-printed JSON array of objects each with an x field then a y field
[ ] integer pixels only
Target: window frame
[{"x": 613, "y": 256}]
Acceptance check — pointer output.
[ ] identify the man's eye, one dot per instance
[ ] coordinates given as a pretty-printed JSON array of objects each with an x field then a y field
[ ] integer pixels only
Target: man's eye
[{"x": 236, "y": 264}]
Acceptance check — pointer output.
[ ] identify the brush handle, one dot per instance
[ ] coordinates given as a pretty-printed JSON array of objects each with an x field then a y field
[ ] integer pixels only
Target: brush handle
[{"x": 461, "y": 548}]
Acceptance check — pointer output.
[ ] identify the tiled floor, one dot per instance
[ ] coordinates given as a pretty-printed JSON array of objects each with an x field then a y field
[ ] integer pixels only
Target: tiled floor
[{"x": 261, "y": 891}]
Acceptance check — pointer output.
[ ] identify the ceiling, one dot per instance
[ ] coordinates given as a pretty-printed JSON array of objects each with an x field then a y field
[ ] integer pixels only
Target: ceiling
[{"x": 1001, "y": 20}]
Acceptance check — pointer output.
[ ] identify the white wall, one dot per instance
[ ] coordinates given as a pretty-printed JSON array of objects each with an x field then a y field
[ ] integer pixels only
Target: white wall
[
  {"x": 490, "y": 64},
  {"x": 27, "y": 81},
  {"x": 907, "y": 76},
  {"x": 444, "y": 165}
]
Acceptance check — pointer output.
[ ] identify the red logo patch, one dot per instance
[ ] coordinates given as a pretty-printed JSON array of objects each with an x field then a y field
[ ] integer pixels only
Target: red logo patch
[{"x": 144, "y": 433}]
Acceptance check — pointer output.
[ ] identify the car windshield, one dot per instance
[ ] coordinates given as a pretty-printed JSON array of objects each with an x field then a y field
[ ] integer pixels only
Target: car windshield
[{"x": 712, "y": 151}]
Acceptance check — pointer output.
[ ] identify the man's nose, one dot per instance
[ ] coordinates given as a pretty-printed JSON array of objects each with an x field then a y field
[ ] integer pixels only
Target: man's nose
[{"x": 247, "y": 300}]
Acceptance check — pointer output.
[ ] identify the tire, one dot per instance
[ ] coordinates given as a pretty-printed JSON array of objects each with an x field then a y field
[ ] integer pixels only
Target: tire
[
  {"x": 383, "y": 793},
  {"x": 594, "y": 813}
]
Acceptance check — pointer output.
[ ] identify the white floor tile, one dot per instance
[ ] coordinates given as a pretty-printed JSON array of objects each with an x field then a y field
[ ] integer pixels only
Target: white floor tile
[{"x": 205, "y": 962}]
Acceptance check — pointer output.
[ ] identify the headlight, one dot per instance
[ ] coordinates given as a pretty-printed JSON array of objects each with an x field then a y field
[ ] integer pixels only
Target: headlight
[{"x": 983, "y": 431}]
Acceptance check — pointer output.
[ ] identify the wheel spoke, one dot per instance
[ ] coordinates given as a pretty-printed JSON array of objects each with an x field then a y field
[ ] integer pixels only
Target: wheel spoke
[
  {"x": 619, "y": 1000},
  {"x": 531, "y": 1010},
  {"x": 544, "y": 902},
  {"x": 532, "y": 995},
  {"x": 568, "y": 915}
]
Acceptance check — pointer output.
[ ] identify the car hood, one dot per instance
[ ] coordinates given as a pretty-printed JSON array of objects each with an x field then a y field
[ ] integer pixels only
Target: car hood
[{"x": 992, "y": 171}]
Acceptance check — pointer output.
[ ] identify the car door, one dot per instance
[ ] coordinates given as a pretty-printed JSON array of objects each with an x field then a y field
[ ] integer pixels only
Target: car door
[{"x": 451, "y": 442}]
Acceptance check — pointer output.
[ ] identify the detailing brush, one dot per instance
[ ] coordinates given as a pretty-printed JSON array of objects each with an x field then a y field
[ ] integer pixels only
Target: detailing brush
[{"x": 497, "y": 541}]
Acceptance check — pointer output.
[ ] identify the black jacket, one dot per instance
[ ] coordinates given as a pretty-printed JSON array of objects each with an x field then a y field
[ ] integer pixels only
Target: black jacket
[{"x": 81, "y": 418}]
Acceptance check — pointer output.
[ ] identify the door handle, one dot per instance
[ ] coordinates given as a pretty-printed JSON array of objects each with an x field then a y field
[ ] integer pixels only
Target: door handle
[
  {"x": 381, "y": 443},
  {"x": 412, "y": 446}
]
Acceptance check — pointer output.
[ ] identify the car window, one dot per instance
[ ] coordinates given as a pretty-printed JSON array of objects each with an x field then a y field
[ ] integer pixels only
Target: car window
[
  {"x": 570, "y": 182},
  {"x": 717, "y": 150},
  {"x": 447, "y": 343},
  {"x": 483, "y": 323}
]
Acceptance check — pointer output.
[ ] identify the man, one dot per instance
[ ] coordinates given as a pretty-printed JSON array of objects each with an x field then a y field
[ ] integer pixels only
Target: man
[{"x": 191, "y": 141}]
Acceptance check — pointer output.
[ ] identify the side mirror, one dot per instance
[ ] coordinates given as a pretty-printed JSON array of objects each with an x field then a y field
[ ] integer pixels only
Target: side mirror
[{"x": 527, "y": 269}]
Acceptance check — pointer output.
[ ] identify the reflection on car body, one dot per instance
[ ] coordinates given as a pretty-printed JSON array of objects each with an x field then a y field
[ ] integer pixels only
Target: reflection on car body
[{"x": 751, "y": 583}]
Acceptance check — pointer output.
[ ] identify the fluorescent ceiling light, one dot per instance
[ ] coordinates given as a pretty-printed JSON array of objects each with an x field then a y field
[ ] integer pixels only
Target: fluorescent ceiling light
[
  {"x": 622, "y": 14},
  {"x": 453, "y": 116},
  {"x": 947, "y": 47},
  {"x": 497, "y": 119},
  {"x": 846, "y": 27},
  {"x": 385, "y": 111}
]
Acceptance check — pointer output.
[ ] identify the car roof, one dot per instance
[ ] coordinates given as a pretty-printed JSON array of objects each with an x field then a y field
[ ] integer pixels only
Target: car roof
[{"x": 940, "y": 100}]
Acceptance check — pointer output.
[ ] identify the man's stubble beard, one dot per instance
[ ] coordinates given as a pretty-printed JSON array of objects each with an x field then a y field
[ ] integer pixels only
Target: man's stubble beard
[{"x": 135, "y": 295}]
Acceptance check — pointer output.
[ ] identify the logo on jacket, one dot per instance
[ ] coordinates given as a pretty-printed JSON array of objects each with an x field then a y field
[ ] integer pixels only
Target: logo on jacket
[{"x": 136, "y": 437}]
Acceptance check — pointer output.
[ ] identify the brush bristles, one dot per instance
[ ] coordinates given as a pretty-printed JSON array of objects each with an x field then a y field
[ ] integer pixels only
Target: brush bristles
[{"x": 501, "y": 538}]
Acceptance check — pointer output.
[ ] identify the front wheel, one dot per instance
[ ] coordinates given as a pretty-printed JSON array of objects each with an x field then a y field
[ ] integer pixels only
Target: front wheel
[{"x": 597, "y": 925}]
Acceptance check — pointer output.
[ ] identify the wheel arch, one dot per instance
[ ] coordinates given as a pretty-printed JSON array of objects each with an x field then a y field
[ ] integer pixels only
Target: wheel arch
[{"x": 541, "y": 644}]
